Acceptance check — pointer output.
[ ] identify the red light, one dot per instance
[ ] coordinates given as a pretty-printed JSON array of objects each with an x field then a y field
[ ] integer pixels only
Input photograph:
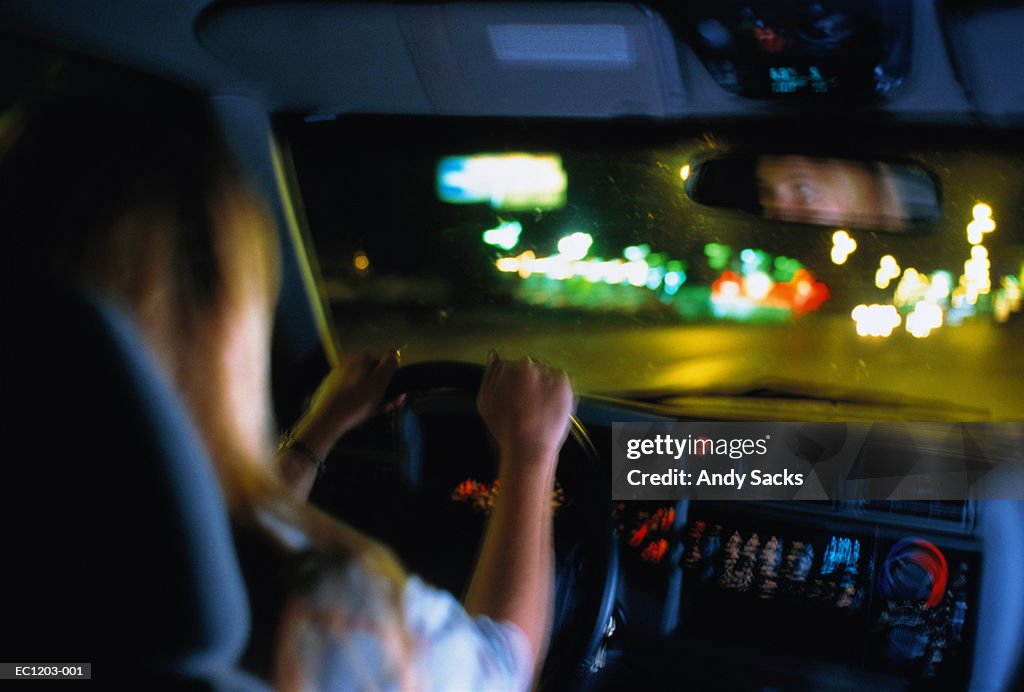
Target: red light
[
  {"x": 637, "y": 536},
  {"x": 655, "y": 551}
]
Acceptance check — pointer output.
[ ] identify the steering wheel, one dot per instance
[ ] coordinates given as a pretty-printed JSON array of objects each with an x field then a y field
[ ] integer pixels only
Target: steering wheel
[{"x": 440, "y": 397}]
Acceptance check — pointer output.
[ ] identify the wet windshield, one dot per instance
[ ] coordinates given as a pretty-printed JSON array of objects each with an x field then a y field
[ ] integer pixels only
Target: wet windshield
[{"x": 556, "y": 243}]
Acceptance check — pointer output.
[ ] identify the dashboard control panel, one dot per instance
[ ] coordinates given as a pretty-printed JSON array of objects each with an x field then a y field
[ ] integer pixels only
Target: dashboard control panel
[{"x": 853, "y": 594}]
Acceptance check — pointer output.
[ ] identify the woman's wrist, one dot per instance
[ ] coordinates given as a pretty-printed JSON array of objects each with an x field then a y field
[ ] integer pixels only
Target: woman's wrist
[
  {"x": 320, "y": 432},
  {"x": 528, "y": 461},
  {"x": 291, "y": 446}
]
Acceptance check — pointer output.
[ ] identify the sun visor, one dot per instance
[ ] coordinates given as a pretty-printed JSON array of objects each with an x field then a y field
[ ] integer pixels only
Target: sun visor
[
  {"x": 539, "y": 60},
  {"x": 545, "y": 60}
]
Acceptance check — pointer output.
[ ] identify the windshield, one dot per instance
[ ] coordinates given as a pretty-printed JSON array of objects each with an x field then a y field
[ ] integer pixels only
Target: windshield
[{"x": 578, "y": 245}]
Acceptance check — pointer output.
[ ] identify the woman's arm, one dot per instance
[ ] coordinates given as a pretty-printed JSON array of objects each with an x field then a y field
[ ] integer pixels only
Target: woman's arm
[
  {"x": 349, "y": 395},
  {"x": 526, "y": 407}
]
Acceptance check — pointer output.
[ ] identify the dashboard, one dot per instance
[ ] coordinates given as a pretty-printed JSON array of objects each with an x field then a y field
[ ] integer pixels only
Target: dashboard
[
  {"x": 864, "y": 599},
  {"x": 723, "y": 595},
  {"x": 839, "y": 594}
]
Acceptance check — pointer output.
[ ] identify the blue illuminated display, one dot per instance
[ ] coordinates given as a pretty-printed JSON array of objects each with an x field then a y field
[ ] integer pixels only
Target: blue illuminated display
[
  {"x": 841, "y": 553},
  {"x": 789, "y": 80}
]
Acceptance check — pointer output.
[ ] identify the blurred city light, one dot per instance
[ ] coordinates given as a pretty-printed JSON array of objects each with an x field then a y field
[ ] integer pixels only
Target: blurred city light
[
  {"x": 976, "y": 280},
  {"x": 655, "y": 275},
  {"x": 842, "y": 246},
  {"x": 785, "y": 268},
  {"x": 940, "y": 286},
  {"x": 673, "y": 280},
  {"x": 924, "y": 318},
  {"x": 505, "y": 235},
  {"x": 738, "y": 296},
  {"x": 888, "y": 270},
  {"x": 718, "y": 255},
  {"x": 360, "y": 261},
  {"x": 1007, "y": 298},
  {"x": 636, "y": 252},
  {"x": 571, "y": 263},
  {"x": 515, "y": 181},
  {"x": 981, "y": 224},
  {"x": 764, "y": 287},
  {"x": 521, "y": 264},
  {"x": 757, "y": 285},
  {"x": 911, "y": 287},
  {"x": 876, "y": 320},
  {"x": 752, "y": 260},
  {"x": 684, "y": 172},
  {"x": 575, "y": 246}
]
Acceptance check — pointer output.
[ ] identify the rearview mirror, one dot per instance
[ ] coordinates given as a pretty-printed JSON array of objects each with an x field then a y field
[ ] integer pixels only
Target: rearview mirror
[{"x": 873, "y": 195}]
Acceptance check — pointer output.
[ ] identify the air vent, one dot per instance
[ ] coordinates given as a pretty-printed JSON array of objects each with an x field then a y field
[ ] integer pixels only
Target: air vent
[{"x": 957, "y": 511}]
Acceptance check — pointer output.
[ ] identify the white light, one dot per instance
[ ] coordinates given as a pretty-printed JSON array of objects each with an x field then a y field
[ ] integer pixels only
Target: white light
[
  {"x": 912, "y": 287},
  {"x": 636, "y": 252},
  {"x": 575, "y": 246},
  {"x": 842, "y": 246},
  {"x": 516, "y": 181},
  {"x": 505, "y": 236},
  {"x": 977, "y": 229},
  {"x": 757, "y": 285},
  {"x": 614, "y": 272},
  {"x": 925, "y": 317},
  {"x": 654, "y": 275},
  {"x": 729, "y": 289},
  {"x": 637, "y": 273},
  {"x": 876, "y": 320},
  {"x": 939, "y": 287},
  {"x": 888, "y": 270}
]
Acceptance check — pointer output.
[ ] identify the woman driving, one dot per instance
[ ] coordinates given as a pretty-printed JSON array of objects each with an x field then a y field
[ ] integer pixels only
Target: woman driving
[{"x": 132, "y": 196}]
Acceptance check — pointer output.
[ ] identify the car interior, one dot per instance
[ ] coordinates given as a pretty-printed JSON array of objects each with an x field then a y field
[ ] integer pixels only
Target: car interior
[{"x": 603, "y": 186}]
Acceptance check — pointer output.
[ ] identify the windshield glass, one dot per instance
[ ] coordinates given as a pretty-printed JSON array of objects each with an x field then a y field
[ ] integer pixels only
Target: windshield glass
[{"x": 578, "y": 245}]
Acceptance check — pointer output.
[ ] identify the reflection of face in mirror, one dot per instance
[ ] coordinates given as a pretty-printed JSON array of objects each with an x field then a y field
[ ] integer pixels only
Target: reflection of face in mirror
[{"x": 830, "y": 191}]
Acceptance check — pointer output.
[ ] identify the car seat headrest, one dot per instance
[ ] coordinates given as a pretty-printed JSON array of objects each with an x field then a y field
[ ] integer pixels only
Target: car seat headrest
[{"x": 115, "y": 512}]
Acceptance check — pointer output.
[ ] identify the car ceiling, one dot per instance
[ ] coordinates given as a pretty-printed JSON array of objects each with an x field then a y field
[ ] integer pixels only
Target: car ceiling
[{"x": 424, "y": 59}]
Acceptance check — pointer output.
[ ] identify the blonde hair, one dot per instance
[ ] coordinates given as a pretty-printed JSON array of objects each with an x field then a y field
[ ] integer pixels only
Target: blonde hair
[{"x": 131, "y": 193}]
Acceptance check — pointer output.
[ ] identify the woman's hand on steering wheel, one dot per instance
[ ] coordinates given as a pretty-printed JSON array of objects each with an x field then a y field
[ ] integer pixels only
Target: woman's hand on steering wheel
[
  {"x": 526, "y": 407},
  {"x": 350, "y": 394}
]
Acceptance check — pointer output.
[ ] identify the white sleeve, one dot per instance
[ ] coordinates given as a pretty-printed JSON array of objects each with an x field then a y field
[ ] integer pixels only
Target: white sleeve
[
  {"x": 455, "y": 651},
  {"x": 344, "y": 633}
]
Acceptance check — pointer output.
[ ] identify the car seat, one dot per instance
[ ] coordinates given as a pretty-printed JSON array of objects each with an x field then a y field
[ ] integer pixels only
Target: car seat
[{"x": 117, "y": 546}]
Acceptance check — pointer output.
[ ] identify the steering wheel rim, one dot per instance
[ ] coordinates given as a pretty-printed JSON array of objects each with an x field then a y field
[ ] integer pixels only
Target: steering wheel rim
[{"x": 465, "y": 378}]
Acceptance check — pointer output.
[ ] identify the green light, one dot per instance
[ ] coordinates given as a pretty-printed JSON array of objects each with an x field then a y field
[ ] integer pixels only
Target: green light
[
  {"x": 718, "y": 255},
  {"x": 505, "y": 236},
  {"x": 785, "y": 268}
]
